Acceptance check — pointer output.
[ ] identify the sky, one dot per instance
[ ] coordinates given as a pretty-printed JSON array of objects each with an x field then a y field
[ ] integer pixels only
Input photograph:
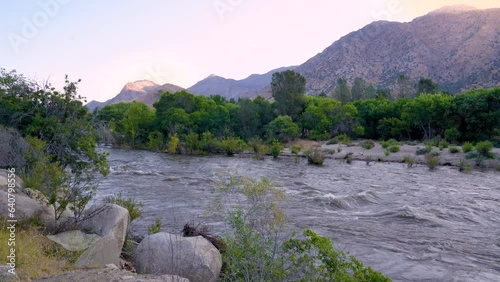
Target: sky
[{"x": 109, "y": 43}]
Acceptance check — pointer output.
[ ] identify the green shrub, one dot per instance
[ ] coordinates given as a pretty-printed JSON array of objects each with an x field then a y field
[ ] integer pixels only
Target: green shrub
[
  {"x": 339, "y": 149},
  {"x": 209, "y": 144},
  {"x": 155, "y": 227},
  {"x": 173, "y": 144},
  {"x": 276, "y": 148},
  {"x": 315, "y": 157},
  {"x": 387, "y": 153},
  {"x": 484, "y": 148},
  {"x": 394, "y": 148},
  {"x": 467, "y": 147},
  {"x": 434, "y": 153},
  {"x": 384, "y": 144},
  {"x": 423, "y": 151},
  {"x": 451, "y": 134},
  {"x": 129, "y": 203},
  {"x": 258, "y": 248},
  {"x": 192, "y": 143},
  {"x": 454, "y": 149},
  {"x": 330, "y": 151},
  {"x": 443, "y": 144},
  {"x": 392, "y": 141},
  {"x": 368, "y": 159},
  {"x": 367, "y": 144},
  {"x": 472, "y": 155},
  {"x": 409, "y": 160},
  {"x": 348, "y": 158},
  {"x": 233, "y": 145},
  {"x": 432, "y": 161},
  {"x": 343, "y": 139},
  {"x": 295, "y": 151},
  {"x": 332, "y": 142},
  {"x": 464, "y": 166}
]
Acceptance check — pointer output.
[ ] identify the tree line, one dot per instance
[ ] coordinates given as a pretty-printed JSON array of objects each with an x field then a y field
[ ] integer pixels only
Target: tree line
[{"x": 185, "y": 122}]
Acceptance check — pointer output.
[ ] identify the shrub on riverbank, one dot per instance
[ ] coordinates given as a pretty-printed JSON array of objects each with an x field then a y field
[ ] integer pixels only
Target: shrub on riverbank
[
  {"x": 258, "y": 249},
  {"x": 315, "y": 156}
]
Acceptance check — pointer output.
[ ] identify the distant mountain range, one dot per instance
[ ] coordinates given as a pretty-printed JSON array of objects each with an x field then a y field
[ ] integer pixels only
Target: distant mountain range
[
  {"x": 142, "y": 91},
  {"x": 251, "y": 86},
  {"x": 456, "y": 46}
]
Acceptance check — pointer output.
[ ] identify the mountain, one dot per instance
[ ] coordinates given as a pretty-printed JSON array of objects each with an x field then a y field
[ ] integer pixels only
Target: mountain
[
  {"x": 456, "y": 46},
  {"x": 230, "y": 88},
  {"x": 142, "y": 91}
]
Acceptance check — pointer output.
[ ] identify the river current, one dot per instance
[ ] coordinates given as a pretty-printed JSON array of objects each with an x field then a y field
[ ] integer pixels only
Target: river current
[{"x": 410, "y": 223}]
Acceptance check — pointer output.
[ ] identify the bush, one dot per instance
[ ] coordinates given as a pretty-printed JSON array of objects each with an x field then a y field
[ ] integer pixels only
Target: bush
[
  {"x": 409, "y": 161},
  {"x": 464, "y": 166},
  {"x": 129, "y": 203},
  {"x": 233, "y": 145},
  {"x": 367, "y": 144},
  {"x": 209, "y": 144},
  {"x": 295, "y": 151},
  {"x": 423, "y": 151},
  {"x": 392, "y": 141},
  {"x": 330, "y": 151},
  {"x": 259, "y": 250},
  {"x": 384, "y": 144},
  {"x": 173, "y": 144},
  {"x": 451, "y": 134},
  {"x": 454, "y": 150},
  {"x": 432, "y": 161},
  {"x": 276, "y": 148},
  {"x": 315, "y": 157},
  {"x": 387, "y": 153},
  {"x": 467, "y": 147},
  {"x": 394, "y": 148},
  {"x": 348, "y": 158},
  {"x": 443, "y": 144},
  {"x": 472, "y": 155},
  {"x": 484, "y": 148},
  {"x": 155, "y": 227}
]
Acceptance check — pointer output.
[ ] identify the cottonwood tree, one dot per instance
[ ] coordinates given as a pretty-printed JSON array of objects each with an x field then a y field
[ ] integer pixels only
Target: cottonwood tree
[
  {"x": 288, "y": 90},
  {"x": 342, "y": 92}
]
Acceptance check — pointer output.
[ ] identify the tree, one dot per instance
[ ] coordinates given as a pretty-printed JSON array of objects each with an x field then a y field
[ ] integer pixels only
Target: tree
[
  {"x": 342, "y": 92},
  {"x": 137, "y": 121},
  {"x": 426, "y": 85},
  {"x": 403, "y": 88},
  {"x": 63, "y": 124},
  {"x": 288, "y": 90},
  {"x": 358, "y": 89},
  {"x": 283, "y": 128}
]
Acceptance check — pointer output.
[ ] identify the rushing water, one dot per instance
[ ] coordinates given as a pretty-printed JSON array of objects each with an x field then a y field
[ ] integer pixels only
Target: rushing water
[{"x": 411, "y": 224}]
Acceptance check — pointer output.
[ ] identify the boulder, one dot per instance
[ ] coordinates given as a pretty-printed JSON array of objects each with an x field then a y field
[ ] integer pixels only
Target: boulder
[
  {"x": 5, "y": 275},
  {"x": 110, "y": 222},
  {"x": 194, "y": 258},
  {"x": 74, "y": 240},
  {"x": 28, "y": 208}
]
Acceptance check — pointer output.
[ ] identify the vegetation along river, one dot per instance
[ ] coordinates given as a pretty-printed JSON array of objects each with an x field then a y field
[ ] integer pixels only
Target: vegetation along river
[{"x": 410, "y": 223}]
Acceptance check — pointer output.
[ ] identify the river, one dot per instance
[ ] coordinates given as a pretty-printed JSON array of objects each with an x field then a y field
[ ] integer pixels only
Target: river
[{"x": 410, "y": 223}]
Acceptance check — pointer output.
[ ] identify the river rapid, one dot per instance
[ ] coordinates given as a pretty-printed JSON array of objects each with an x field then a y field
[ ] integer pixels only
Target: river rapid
[{"x": 410, "y": 223}]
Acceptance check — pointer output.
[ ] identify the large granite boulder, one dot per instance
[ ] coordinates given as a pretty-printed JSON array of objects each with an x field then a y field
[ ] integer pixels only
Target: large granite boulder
[
  {"x": 110, "y": 222},
  {"x": 194, "y": 258}
]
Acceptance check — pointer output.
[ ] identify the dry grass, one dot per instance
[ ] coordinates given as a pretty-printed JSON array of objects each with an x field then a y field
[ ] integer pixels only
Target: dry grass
[{"x": 36, "y": 256}]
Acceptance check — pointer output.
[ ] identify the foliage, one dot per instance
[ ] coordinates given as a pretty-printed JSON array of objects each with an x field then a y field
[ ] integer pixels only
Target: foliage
[
  {"x": 276, "y": 148},
  {"x": 342, "y": 92},
  {"x": 384, "y": 144},
  {"x": 467, "y": 147},
  {"x": 432, "y": 161},
  {"x": 342, "y": 139},
  {"x": 63, "y": 139},
  {"x": 315, "y": 157},
  {"x": 394, "y": 148},
  {"x": 288, "y": 89},
  {"x": 348, "y": 158},
  {"x": 423, "y": 151},
  {"x": 39, "y": 256},
  {"x": 257, "y": 249},
  {"x": 484, "y": 149},
  {"x": 368, "y": 159},
  {"x": 452, "y": 134},
  {"x": 155, "y": 227},
  {"x": 130, "y": 203},
  {"x": 155, "y": 141},
  {"x": 443, "y": 144},
  {"x": 173, "y": 144},
  {"x": 295, "y": 151},
  {"x": 259, "y": 148},
  {"x": 409, "y": 160},
  {"x": 233, "y": 145},
  {"x": 283, "y": 128},
  {"x": 192, "y": 143},
  {"x": 454, "y": 149},
  {"x": 367, "y": 144}
]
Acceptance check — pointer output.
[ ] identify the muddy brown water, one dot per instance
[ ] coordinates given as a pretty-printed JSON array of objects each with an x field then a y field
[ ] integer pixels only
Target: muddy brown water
[{"x": 411, "y": 224}]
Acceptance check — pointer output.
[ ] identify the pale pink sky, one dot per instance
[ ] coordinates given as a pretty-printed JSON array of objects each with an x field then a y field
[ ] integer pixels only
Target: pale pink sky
[{"x": 110, "y": 43}]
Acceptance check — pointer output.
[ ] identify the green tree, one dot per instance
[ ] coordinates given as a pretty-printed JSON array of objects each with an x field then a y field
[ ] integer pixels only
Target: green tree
[
  {"x": 426, "y": 85},
  {"x": 342, "y": 92},
  {"x": 137, "y": 121},
  {"x": 283, "y": 128},
  {"x": 403, "y": 88},
  {"x": 358, "y": 89},
  {"x": 288, "y": 89}
]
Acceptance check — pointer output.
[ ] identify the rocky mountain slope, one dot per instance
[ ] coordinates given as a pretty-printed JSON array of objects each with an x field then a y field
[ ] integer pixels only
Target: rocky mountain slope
[
  {"x": 142, "y": 91},
  {"x": 230, "y": 88},
  {"x": 457, "y": 46}
]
